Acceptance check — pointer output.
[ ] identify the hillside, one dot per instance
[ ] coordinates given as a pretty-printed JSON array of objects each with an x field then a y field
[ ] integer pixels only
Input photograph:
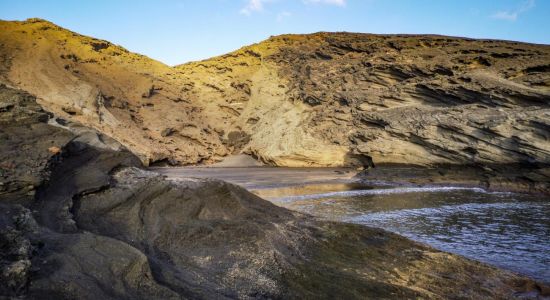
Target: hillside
[
  {"x": 125, "y": 95},
  {"x": 394, "y": 99},
  {"x": 326, "y": 99}
]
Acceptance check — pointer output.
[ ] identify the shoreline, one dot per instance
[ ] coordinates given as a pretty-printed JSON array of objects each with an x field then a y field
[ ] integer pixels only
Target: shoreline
[
  {"x": 418, "y": 178},
  {"x": 514, "y": 178}
]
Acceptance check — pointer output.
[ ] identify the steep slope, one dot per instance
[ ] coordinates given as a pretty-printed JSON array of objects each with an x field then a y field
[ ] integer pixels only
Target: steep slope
[
  {"x": 325, "y": 99},
  {"x": 130, "y": 97}
]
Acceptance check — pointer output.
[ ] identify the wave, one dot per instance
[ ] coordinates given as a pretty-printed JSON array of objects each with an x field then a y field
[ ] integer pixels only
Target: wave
[
  {"x": 387, "y": 191},
  {"x": 445, "y": 210}
]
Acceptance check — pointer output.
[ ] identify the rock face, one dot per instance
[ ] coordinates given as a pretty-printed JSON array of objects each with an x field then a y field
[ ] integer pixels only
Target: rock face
[
  {"x": 423, "y": 100},
  {"x": 100, "y": 227},
  {"x": 496, "y": 177},
  {"x": 326, "y": 99},
  {"x": 26, "y": 138}
]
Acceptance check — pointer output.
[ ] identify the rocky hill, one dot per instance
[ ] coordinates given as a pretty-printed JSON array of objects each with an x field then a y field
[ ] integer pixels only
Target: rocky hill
[
  {"x": 80, "y": 117},
  {"x": 325, "y": 99},
  {"x": 128, "y": 96}
]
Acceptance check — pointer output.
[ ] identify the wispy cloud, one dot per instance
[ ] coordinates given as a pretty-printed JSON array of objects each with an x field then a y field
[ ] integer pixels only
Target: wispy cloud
[
  {"x": 512, "y": 15},
  {"x": 283, "y": 15},
  {"x": 252, "y": 6},
  {"x": 330, "y": 2}
]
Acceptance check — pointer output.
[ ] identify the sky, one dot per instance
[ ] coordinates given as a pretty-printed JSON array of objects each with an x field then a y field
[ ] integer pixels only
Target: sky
[{"x": 178, "y": 31}]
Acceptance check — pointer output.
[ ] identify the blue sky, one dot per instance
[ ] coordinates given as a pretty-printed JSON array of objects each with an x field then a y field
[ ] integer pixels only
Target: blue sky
[{"x": 177, "y": 31}]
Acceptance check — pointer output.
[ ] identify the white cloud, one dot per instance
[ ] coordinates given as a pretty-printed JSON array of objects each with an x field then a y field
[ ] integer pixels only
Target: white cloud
[
  {"x": 512, "y": 15},
  {"x": 283, "y": 15},
  {"x": 330, "y": 2},
  {"x": 252, "y": 6},
  {"x": 505, "y": 15}
]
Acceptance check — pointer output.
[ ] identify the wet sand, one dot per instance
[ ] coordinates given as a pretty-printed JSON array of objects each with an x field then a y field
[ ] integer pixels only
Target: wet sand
[{"x": 265, "y": 177}]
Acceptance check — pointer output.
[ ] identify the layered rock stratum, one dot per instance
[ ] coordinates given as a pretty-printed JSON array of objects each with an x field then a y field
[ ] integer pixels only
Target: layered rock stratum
[{"x": 325, "y": 99}]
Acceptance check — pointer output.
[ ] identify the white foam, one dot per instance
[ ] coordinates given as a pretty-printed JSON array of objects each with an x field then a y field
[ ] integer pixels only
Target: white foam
[
  {"x": 389, "y": 191},
  {"x": 445, "y": 210}
]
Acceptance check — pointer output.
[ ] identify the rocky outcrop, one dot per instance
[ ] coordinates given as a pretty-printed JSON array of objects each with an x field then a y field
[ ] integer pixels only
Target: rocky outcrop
[
  {"x": 100, "y": 227},
  {"x": 422, "y": 100},
  {"x": 124, "y": 95},
  {"x": 28, "y": 144},
  {"x": 496, "y": 177},
  {"x": 325, "y": 99}
]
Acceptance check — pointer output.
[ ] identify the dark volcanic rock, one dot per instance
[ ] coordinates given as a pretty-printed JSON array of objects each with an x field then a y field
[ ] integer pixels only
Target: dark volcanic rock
[
  {"x": 534, "y": 178},
  {"x": 25, "y": 142},
  {"x": 84, "y": 167}
]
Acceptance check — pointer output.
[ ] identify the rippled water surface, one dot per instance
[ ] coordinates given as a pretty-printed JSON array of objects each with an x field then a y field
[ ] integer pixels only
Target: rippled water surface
[{"x": 508, "y": 230}]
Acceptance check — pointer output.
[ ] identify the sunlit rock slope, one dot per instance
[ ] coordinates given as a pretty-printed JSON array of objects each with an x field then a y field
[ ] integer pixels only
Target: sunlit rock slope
[{"x": 325, "y": 99}]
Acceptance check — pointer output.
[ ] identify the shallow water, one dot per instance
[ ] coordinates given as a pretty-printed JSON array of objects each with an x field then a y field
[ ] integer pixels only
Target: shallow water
[{"x": 507, "y": 230}]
